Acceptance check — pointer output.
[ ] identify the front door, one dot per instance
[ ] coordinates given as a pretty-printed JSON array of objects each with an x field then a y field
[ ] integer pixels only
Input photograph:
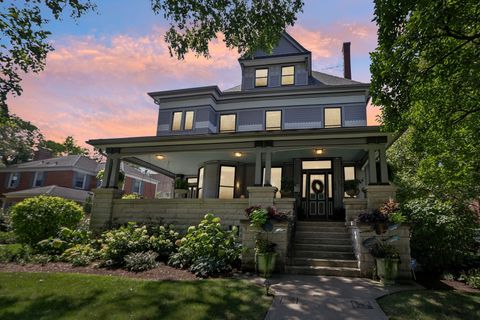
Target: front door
[{"x": 317, "y": 196}]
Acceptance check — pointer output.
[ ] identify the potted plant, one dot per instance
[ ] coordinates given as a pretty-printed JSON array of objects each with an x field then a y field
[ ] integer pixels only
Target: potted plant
[
  {"x": 265, "y": 256},
  {"x": 287, "y": 188},
  {"x": 381, "y": 219},
  {"x": 181, "y": 188},
  {"x": 387, "y": 259},
  {"x": 351, "y": 187}
]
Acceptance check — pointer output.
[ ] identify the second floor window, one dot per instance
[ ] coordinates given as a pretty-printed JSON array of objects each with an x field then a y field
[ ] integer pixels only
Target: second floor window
[
  {"x": 261, "y": 77},
  {"x": 228, "y": 122},
  {"x": 177, "y": 121},
  {"x": 333, "y": 117},
  {"x": 189, "y": 115},
  {"x": 137, "y": 186},
  {"x": 80, "y": 179},
  {"x": 288, "y": 76},
  {"x": 273, "y": 120},
  {"x": 38, "y": 179},
  {"x": 14, "y": 180}
]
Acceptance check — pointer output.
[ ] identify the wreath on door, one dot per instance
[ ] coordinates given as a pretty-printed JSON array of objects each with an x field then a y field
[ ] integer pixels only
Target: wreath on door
[{"x": 317, "y": 186}]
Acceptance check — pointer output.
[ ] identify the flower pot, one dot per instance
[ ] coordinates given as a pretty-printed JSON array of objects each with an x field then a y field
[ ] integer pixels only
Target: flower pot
[
  {"x": 387, "y": 270},
  {"x": 266, "y": 263},
  {"x": 381, "y": 227},
  {"x": 180, "y": 193}
]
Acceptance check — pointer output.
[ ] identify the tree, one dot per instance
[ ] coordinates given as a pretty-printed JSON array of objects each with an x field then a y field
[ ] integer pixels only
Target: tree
[
  {"x": 24, "y": 45},
  {"x": 426, "y": 76},
  {"x": 68, "y": 147},
  {"x": 246, "y": 25}
]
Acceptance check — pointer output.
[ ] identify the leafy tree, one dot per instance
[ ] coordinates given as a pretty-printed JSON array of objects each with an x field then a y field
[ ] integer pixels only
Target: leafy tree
[
  {"x": 67, "y": 147},
  {"x": 426, "y": 76},
  {"x": 24, "y": 45}
]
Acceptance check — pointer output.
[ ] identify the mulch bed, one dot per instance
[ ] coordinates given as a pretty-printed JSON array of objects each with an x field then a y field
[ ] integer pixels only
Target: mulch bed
[
  {"x": 162, "y": 272},
  {"x": 460, "y": 286}
]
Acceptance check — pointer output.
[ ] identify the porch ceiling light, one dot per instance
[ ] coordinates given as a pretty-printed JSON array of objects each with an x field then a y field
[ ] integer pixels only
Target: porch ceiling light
[
  {"x": 318, "y": 151},
  {"x": 238, "y": 154},
  {"x": 159, "y": 156}
]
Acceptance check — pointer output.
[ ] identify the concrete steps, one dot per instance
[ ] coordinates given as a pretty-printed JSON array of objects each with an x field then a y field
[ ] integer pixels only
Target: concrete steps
[{"x": 323, "y": 248}]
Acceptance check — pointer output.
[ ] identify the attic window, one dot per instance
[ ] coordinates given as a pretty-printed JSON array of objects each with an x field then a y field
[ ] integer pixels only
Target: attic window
[
  {"x": 288, "y": 76},
  {"x": 261, "y": 77}
]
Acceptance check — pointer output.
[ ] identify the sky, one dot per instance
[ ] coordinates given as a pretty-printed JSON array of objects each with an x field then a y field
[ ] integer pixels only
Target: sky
[{"x": 96, "y": 81}]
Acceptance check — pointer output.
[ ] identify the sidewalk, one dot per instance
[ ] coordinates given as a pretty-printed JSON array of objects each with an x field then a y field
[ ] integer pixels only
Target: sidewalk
[{"x": 320, "y": 297}]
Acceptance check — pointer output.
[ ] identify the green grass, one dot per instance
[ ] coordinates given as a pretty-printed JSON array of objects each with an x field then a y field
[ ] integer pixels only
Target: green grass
[
  {"x": 430, "y": 304},
  {"x": 75, "y": 296}
]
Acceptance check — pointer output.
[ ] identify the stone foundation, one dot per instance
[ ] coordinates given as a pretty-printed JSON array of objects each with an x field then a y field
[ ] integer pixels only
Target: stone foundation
[{"x": 377, "y": 195}]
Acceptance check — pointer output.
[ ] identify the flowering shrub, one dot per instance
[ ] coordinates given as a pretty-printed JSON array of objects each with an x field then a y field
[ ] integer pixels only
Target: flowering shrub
[
  {"x": 207, "y": 249},
  {"x": 141, "y": 261},
  {"x": 389, "y": 212},
  {"x": 80, "y": 255},
  {"x": 261, "y": 218},
  {"x": 65, "y": 239}
]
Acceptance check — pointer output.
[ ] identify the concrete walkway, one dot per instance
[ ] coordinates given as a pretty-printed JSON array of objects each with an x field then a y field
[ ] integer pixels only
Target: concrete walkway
[{"x": 320, "y": 297}]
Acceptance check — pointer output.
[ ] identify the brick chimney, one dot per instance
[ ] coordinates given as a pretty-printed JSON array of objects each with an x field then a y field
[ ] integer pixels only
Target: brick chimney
[{"x": 347, "y": 65}]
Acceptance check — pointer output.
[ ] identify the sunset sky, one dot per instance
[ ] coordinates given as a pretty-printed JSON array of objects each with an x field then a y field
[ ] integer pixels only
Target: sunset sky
[{"x": 96, "y": 80}]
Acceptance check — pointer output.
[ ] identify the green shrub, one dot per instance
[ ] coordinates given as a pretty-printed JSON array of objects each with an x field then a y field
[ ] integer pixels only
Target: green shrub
[
  {"x": 80, "y": 255},
  {"x": 117, "y": 244},
  {"x": 132, "y": 196},
  {"x": 207, "y": 249},
  {"x": 141, "y": 261},
  {"x": 38, "y": 218},
  {"x": 442, "y": 234},
  {"x": 65, "y": 239},
  {"x": 472, "y": 278},
  {"x": 7, "y": 237},
  {"x": 5, "y": 220}
]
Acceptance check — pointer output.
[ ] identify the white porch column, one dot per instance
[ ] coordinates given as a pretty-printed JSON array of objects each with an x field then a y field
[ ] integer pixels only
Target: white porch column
[
  {"x": 106, "y": 173},
  {"x": 115, "y": 171},
  {"x": 372, "y": 168},
  {"x": 258, "y": 166},
  {"x": 268, "y": 167},
  {"x": 383, "y": 165}
]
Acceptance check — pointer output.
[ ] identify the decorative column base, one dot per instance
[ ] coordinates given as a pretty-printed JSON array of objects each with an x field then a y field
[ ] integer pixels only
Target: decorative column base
[
  {"x": 261, "y": 196},
  {"x": 353, "y": 207},
  {"x": 378, "y": 194},
  {"x": 101, "y": 216}
]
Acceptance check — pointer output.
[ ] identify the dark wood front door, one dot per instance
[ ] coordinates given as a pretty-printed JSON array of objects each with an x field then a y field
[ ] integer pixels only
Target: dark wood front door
[{"x": 317, "y": 196}]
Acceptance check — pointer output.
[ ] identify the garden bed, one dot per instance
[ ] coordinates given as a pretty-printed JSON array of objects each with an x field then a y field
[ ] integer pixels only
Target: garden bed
[{"x": 161, "y": 272}]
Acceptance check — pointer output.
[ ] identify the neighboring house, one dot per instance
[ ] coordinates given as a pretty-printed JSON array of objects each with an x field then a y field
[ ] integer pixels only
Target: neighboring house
[
  {"x": 71, "y": 177},
  {"x": 284, "y": 121}
]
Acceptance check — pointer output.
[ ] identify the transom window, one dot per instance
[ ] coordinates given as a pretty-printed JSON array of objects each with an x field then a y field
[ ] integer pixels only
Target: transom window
[
  {"x": 14, "y": 180},
  {"x": 227, "y": 182},
  {"x": 228, "y": 122},
  {"x": 80, "y": 179},
  {"x": 273, "y": 120},
  {"x": 333, "y": 117},
  {"x": 200, "y": 183},
  {"x": 316, "y": 164},
  {"x": 189, "y": 115},
  {"x": 177, "y": 121},
  {"x": 288, "y": 75},
  {"x": 261, "y": 77},
  {"x": 38, "y": 179}
]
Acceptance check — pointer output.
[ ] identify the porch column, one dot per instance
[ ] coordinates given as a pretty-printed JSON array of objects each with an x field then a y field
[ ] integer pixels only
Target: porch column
[
  {"x": 372, "y": 168},
  {"x": 383, "y": 165},
  {"x": 258, "y": 166},
  {"x": 106, "y": 173},
  {"x": 268, "y": 167},
  {"x": 115, "y": 170}
]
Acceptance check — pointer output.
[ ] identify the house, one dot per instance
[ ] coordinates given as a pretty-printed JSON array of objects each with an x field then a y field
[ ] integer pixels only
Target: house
[
  {"x": 285, "y": 126},
  {"x": 71, "y": 177}
]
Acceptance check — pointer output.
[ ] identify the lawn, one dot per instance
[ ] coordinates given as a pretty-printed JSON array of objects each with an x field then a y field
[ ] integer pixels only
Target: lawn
[
  {"x": 75, "y": 296},
  {"x": 431, "y": 304}
]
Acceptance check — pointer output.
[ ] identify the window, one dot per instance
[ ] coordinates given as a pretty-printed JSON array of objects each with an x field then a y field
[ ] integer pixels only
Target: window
[
  {"x": 14, "y": 180},
  {"x": 288, "y": 76},
  {"x": 333, "y": 117},
  {"x": 177, "y": 121},
  {"x": 275, "y": 179},
  {"x": 38, "y": 179},
  {"x": 316, "y": 164},
  {"x": 137, "y": 186},
  {"x": 349, "y": 174},
  {"x": 192, "y": 187},
  {"x": 261, "y": 77},
  {"x": 80, "y": 179},
  {"x": 200, "y": 183},
  {"x": 228, "y": 122},
  {"x": 189, "y": 115},
  {"x": 227, "y": 182},
  {"x": 273, "y": 120}
]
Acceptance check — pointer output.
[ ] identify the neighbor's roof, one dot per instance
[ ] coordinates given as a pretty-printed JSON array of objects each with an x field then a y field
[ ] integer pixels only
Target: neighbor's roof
[
  {"x": 67, "y": 193},
  {"x": 73, "y": 161},
  {"x": 133, "y": 172}
]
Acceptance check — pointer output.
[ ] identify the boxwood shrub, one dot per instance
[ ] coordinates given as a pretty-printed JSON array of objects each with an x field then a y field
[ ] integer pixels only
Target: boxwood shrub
[{"x": 39, "y": 218}]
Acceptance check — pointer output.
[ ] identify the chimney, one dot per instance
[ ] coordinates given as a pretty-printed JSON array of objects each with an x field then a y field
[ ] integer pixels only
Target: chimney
[{"x": 347, "y": 66}]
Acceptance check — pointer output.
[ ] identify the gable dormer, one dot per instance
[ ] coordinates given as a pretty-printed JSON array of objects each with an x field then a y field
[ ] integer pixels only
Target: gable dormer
[{"x": 289, "y": 64}]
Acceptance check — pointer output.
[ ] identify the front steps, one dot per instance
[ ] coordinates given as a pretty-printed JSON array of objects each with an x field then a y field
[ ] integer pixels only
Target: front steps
[{"x": 323, "y": 248}]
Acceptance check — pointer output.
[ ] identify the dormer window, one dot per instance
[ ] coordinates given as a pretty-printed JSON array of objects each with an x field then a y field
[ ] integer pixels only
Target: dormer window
[
  {"x": 189, "y": 115},
  {"x": 261, "y": 77},
  {"x": 288, "y": 76},
  {"x": 177, "y": 121}
]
